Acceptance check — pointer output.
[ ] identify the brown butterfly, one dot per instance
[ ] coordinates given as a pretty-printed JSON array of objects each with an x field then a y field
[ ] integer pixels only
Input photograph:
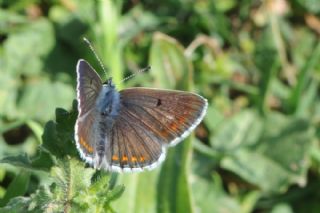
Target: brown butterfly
[{"x": 129, "y": 130}]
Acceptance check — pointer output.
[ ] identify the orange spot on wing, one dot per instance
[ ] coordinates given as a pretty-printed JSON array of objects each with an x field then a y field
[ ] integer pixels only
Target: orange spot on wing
[
  {"x": 176, "y": 125},
  {"x": 173, "y": 126},
  {"x": 134, "y": 159},
  {"x": 124, "y": 158},
  {"x": 141, "y": 159},
  {"x": 115, "y": 158},
  {"x": 85, "y": 145},
  {"x": 182, "y": 120}
]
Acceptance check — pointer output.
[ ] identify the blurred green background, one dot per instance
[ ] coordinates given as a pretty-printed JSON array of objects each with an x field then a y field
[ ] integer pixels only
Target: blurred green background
[{"x": 257, "y": 63}]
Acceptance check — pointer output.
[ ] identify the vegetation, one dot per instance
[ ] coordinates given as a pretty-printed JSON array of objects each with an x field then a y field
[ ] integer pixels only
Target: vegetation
[{"x": 257, "y": 63}]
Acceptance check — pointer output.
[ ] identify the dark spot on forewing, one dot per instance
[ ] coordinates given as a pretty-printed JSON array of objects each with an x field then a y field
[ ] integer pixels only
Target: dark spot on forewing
[{"x": 159, "y": 102}]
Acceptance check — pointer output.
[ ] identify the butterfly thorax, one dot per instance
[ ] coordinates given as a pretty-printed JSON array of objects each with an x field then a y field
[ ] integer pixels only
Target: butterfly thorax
[{"x": 108, "y": 101}]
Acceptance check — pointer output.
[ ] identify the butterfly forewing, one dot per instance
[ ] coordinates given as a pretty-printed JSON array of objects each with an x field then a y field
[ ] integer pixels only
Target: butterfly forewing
[
  {"x": 166, "y": 114},
  {"x": 88, "y": 88}
]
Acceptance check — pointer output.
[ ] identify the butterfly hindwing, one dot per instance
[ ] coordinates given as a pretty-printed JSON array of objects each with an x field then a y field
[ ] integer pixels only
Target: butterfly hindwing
[
  {"x": 132, "y": 148},
  {"x": 86, "y": 136}
]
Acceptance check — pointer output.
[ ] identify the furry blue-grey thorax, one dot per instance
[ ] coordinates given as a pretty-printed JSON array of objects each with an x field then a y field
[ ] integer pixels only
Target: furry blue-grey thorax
[{"x": 108, "y": 101}]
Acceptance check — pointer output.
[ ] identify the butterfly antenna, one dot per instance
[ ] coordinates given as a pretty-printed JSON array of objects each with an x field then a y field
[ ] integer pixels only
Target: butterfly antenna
[
  {"x": 134, "y": 74},
  {"x": 95, "y": 54}
]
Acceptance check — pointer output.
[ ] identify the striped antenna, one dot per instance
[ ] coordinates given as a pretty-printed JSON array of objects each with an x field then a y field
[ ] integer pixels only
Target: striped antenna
[
  {"x": 96, "y": 55},
  {"x": 134, "y": 74}
]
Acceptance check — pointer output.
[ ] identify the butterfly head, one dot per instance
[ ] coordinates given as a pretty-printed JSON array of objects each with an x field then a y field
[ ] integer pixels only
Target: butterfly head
[{"x": 109, "y": 83}]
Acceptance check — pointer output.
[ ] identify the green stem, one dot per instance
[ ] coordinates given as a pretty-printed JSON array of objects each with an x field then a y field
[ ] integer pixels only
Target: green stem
[
  {"x": 303, "y": 77},
  {"x": 109, "y": 14}
]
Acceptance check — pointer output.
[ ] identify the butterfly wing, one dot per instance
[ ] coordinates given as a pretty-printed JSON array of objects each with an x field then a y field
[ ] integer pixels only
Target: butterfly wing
[
  {"x": 132, "y": 147},
  {"x": 88, "y": 88},
  {"x": 89, "y": 85},
  {"x": 149, "y": 120}
]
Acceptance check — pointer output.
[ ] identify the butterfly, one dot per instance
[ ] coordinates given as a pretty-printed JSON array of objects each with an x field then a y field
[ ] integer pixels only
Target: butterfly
[{"x": 130, "y": 130}]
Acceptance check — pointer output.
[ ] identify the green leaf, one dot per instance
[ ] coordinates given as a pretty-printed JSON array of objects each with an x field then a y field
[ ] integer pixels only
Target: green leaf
[
  {"x": 168, "y": 63},
  {"x": 71, "y": 178},
  {"x": 58, "y": 137},
  {"x": 36, "y": 128},
  {"x": 213, "y": 112},
  {"x": 34, "y": 101},
  {"x": 73, "y": 190},
  {"x": 242, "y": 130},
  {"x": 41, "y": 161},
  {"x": 10, "y": 21},
  {"x": 140, "y": 194},
  {"x": 211, "y": 197},
  {"x": 136, "y": 21},
  {"x": 280, "y": 135},
  {"x": 20, "y": 54},
  {"x": 224, "y": 6},
  {"x": 17, "y": 205},
  {"x": 312, "y": 6},
  {"x": 116, "y": 193},
  {"x": 267, "y": 61},
  {"x": 255, "y": 168},
  {"x": 25, "y": 91},
  {"x": 282, "y": 208},
  {"x": 250, "y": 200},
  {"x": 17, "y": 187},
  {"x": 283, "y": 134},
  {"x": 9, "y": 94}
]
